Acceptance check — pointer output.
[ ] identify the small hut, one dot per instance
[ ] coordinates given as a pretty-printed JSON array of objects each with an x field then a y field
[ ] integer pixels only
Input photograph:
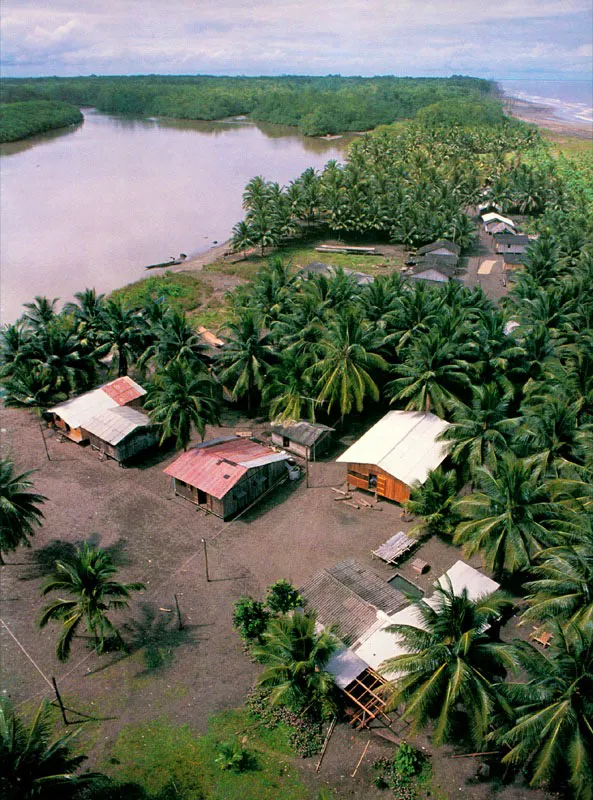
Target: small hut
[
  {"x": 511, "y": 243},
  {"x": 440, "y": 252},
  {"x": 121, "y": 432},
  {"x": 306, "y": 439},
  {"x": 227, "y": 474}
]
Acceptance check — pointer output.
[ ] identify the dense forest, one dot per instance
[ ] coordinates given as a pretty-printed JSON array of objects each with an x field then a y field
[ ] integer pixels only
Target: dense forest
[
  {"x": 22, "y": 119},
  {"x": 515, "y": 381},
  {"x": 316, "y": 105}
]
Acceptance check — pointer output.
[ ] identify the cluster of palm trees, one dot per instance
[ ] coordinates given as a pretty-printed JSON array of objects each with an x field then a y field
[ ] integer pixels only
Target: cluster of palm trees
[
  {"x": 459, "y": 677},
  {"x": 412, "y": 186}
]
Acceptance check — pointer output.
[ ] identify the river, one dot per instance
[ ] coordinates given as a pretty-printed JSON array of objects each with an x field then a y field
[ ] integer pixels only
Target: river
[{"x": 91, "y": 206}]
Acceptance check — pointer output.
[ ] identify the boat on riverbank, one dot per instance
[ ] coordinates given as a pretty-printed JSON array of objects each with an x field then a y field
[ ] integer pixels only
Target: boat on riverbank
[{"x": 173, "y": 262}]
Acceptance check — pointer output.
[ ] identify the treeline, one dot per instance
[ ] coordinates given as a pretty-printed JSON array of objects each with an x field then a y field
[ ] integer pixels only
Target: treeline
[
  {"x": 410, "y": 184},
  {"x": 317, "y": 106},
  {"x": 22, "y": 119}
]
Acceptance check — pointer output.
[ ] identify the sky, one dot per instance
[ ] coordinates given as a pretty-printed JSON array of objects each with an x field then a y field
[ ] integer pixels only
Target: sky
[{"x": 498, "y": 39}]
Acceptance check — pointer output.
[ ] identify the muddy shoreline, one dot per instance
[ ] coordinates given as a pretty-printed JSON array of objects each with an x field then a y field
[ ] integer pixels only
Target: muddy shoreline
[{"x": 544, "y": 117}]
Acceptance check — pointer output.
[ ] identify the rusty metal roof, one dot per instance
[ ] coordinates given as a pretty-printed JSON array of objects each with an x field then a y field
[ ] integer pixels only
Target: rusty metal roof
[
  {"x": 216, "y": 466},
  {"x": 123, "y": 390}
]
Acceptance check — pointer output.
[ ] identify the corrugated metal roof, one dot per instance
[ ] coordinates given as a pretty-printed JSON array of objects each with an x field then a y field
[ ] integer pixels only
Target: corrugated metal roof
[
  {"x": 114, "y": 424},
  {"x": 493, "y": 215},
  {"x": 404, "y": 444},
  {"x": 216, "y": 466},
  {"x": 352, "y": 599},
  {"x": 345, "y": 666},
  {"x": 440, "y": 244},
  {"x": 301, "y": 432},
  {"x": 369, "y": 586},
  {"x": 463, "y": 576},
  {"x": 340, "y": 608},
  {"x": 512, "y": 238},
  {"x": 123, "y": 390},
  {"x": 80, "y": 410}
]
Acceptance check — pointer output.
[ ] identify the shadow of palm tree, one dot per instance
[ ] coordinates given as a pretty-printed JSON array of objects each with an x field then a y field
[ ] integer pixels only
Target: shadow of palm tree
[
  {"x": 157, "y": 634},
  {"x": 42, "y": 560}
]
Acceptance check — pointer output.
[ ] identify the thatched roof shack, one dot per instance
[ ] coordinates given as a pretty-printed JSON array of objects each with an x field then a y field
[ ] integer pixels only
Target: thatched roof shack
[
  {"x": 305, "y": 439},
  {"x": 511, "y": 243},
  {"x": 73, "y": 417},
  {"x": 396, "y": 453},
  {"x": 227, "y": 474}
]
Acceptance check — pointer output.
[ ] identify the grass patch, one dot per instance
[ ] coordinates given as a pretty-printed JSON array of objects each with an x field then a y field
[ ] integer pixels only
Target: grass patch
[
  {"x": 157, "y": 753},
  {"x": 570, "y": 146},
  {"x": 298, "y": 255},
  {"x": 183, "y": 291}
]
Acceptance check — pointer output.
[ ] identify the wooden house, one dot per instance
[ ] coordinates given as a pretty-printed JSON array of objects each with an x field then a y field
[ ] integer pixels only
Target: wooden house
[
  {"x": 511, "y": 243},
  {"x": 512, "y": 261},
  {"x": 226, "y": 475},
  {"x": 396, "y": 454},
  {"x": 71, "y": 418},
  {"x": 433, "y": 270},
  {"x": 306, "y": 439},
  {"x": 442, "y": 252},
  {"x": 496, "y": 227},
  {"x": 121, "y": 432}
]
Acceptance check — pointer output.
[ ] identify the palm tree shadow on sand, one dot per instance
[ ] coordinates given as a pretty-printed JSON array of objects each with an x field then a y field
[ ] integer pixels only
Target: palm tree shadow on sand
[
  {"x": 43, "y": 560},
  {"x": 157, "y": 635}
]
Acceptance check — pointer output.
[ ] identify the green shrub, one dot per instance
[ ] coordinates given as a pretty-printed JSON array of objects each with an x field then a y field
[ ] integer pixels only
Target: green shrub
[
  {"x": 234, "y": 757},
  {"x": 250, "y": 618},
  {"x": 283, "y": 597},
  {"x": 402, "y": 773},
  {"x": 305, "y": 735}
]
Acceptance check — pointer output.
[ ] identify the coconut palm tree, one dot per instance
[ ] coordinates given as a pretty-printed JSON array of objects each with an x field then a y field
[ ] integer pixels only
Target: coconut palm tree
[
  {"x": 88, "y": 578},
  {"x": 509, "y": 519},
  {"x": 242, "y": 237},
  {"x": 40, "y": 312},
  {"x": 451, "y": 659},
  {"x": 480, "y": 432},
  {"x": 346, "y": 364},
  {"x": 247, "y": 356},
  {"x": 32, "y": 767},
  {"x": 562, "y": 588},
  {"x": 295, "y": 656},
  {"x": 180, "y": 397},
  {"x": 431, "y": 376},
  {"x": 549, "y": 731},
  {"x": 433, "y": 501},
  {"x": 289, "y": 391},
  {"x": 87, "y": 313},
  {"x": 19, "y": 508},
  {"x": 122, "y": 333},
  {"x": 173, "y": 339}
]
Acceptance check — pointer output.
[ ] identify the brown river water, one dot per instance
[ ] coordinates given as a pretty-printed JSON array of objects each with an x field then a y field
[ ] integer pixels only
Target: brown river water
[{"x": 92, "y": 206}]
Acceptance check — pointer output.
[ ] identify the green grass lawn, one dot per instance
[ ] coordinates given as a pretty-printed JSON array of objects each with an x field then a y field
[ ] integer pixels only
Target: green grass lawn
[
  {"x": 157, "y": 754},
  {"x": 182, "y": 290}
]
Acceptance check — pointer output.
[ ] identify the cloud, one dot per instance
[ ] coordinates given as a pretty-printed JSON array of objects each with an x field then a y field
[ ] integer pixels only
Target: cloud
[{"x": 307, "y": 36}]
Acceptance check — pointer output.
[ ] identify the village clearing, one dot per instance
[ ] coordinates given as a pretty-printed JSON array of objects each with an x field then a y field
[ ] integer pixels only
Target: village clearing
[{"x": 175, "y": 677}]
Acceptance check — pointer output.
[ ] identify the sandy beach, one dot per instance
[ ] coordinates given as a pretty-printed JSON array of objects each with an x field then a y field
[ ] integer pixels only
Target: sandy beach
[{"x": 544, "y": 117}]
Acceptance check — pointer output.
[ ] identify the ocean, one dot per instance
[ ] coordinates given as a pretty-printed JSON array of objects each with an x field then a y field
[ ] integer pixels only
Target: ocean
[{"x": 570, "y": 100}]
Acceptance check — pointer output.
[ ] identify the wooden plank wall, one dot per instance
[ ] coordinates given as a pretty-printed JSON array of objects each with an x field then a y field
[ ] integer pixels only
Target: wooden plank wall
[{"x": 387, "y": 486}]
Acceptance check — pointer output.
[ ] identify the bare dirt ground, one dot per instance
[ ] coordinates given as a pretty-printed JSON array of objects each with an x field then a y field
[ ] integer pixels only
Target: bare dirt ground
[{"x": 154, "y": 537}]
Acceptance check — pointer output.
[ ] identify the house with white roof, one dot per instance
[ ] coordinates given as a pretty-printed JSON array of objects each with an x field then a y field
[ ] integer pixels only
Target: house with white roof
[{"x": 396, "y": 454}]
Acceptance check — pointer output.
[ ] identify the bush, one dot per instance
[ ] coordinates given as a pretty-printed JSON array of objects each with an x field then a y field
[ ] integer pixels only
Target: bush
[
  {"x": 233, "y": 756},
  {"x": 283, "y": 597},
  {"x": 402, "y": 772},
  {"x": 305, "y": 735},
  {"x": 250, "y": 618}
]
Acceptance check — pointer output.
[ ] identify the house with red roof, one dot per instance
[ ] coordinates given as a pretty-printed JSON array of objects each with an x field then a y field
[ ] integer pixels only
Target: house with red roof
[{"x": 227, "y": 474}]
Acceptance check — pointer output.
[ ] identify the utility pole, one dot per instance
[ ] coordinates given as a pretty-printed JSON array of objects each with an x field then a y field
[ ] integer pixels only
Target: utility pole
[{"x": 206, "y": 560}]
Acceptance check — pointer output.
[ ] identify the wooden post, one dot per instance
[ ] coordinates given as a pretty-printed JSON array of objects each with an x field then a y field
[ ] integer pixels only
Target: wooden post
[
  {"x": 206, "y": 561},
  {"x": 44, "y": 442},
  {"x": 364, "y": 752},
  {"x": 179, "y": 620},
  {"x": 325, "y": 744},
  {"x": 59, "y": 699},
  {"x": 307, "y": 472}
]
